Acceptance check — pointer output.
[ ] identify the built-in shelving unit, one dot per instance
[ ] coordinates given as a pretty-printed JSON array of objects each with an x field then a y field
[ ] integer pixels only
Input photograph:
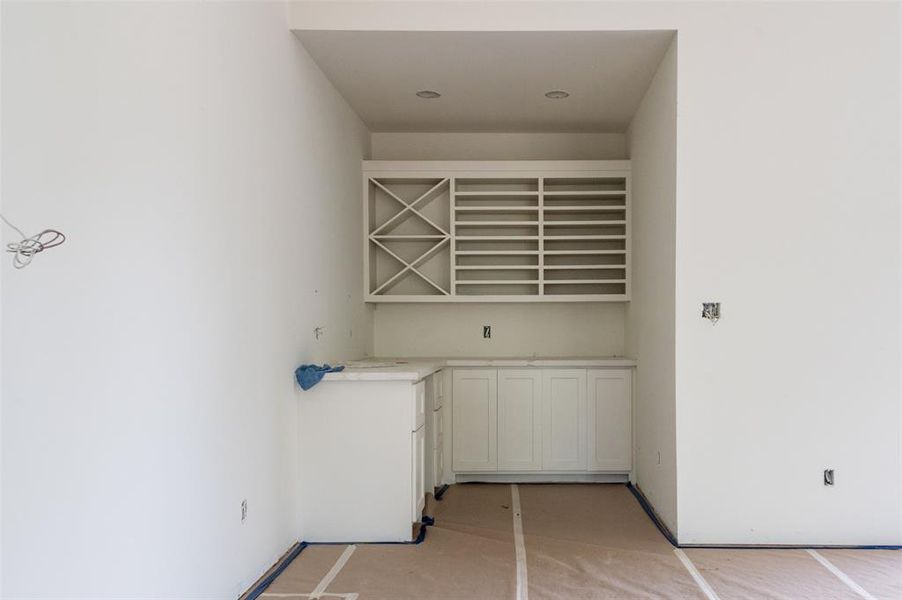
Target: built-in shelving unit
[{"x": 497, "y": 231}]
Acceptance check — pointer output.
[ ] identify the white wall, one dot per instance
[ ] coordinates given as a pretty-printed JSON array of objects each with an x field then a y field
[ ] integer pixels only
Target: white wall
[
  {"x": 590, "y": 329},
  {"x": 652, "y": 138},
  {"x": 499, "y": 146},
  {"x": 207, "y": 176},
  {"x": 542, "y": 329},
  {"x": 787, "y": 211}
]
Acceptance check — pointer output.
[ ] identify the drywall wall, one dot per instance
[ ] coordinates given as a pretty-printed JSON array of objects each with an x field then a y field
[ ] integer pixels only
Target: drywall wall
[
  {"x": 518, "y": 328},
  {"x": 499, "y": 146},
  {"x": 590, "y": 329},
  {"x": 769, "y": 230},
  {"x": 787, "y": 211},
  {"x": 650, "y": 316},
  {"x": 206, "y": 174}
]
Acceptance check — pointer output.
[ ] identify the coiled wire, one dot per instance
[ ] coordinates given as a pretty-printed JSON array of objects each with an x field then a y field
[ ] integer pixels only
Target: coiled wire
[{"x": 25, "y": 250}]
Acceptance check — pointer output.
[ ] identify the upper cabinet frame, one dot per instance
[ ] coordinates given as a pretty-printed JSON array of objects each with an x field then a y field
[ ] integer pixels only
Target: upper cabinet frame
[{"x": 497, "y": 231}]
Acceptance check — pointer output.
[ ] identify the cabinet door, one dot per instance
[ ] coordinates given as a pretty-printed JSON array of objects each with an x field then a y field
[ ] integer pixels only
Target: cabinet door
[
  {"x": 519, "y": 420},
  {"x": 610, "y": 420},
  {"x": 419, "y": 405},
  {"x": 474, "y": 420},
  {"x": 438, "y": 389},
  {"x": 564, "y": 420},
  {"x": 434, "y": 444},
  {"x": 418, "y": 483}
]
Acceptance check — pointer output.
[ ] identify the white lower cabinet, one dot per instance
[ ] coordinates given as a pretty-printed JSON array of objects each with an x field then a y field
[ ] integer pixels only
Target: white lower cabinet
[
  {"x": 519, "y": 420},
  {"x": 354, "y": 435},
  {"x": 564, "y": 425},
  {"x": 610, "y": 419},
  {"x": 475, "y": 420},
  {"x": 536, "y": 420}
]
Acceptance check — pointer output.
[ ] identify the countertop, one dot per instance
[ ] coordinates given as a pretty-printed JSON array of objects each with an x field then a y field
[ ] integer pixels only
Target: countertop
[{"x": 414, "y": 369}]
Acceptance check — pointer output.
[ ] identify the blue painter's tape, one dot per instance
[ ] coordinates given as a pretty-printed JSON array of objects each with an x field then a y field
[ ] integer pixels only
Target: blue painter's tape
[
  {"x": 283, "y": 564},
  {"x": 425, "y": 522},
  {"x": 266, "y": 582},
  {"x": 650, "y": 511}
]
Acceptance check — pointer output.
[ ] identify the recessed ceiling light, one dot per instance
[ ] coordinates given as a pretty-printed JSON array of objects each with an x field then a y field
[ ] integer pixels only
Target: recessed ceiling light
[
  {"x": 556, "y": 94},
  {"x": 428, "y": 94}
]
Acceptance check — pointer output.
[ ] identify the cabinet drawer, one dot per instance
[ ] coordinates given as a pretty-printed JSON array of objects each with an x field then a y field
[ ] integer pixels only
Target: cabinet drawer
[{"x": 419, "y": 405}]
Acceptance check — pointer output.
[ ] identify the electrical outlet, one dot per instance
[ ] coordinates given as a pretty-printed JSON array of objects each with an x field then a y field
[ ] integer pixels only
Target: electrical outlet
[
  {"x": 243, "y": 510},
  {"x": 828, "y": 476},
  {"x": 486, "y": 331},
  {"x": 711, "y": 311}
]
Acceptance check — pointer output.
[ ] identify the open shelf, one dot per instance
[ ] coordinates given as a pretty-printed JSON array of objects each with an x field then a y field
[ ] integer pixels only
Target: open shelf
[
  {"x": 498, "y": 231},
  {"x": 495, "y": 268},
  {"x": 409, "y": 237},
  {"x": 498, "y": 209},
  {"x": 584, "y": 252},
  {"x": 593, "y": 267},
  {"x": 497, "y": 193},
  {"x": 581, "y": 223},
  {"x": 583, "y": 208},
  {"x": 495, "y": 238},
  {"x": 498, "y": 282},
  {"x": 552, "y": 238},
  {"x": 584, "y": 194},
  {"x": 496, "y": 223},
  {"x": 495, "y": 252}
]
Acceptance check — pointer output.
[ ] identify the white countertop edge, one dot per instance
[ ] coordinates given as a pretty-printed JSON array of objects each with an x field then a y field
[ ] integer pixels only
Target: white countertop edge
[
  {"x": 540, "y": 362},
  {"x": 417, "y": 369}
]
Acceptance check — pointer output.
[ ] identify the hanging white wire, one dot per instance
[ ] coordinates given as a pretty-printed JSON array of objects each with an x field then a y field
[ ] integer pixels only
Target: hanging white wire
[{"x": 25, "y": 249}]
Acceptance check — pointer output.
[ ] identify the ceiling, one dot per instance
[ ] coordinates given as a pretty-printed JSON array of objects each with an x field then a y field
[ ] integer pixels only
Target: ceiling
[{"x": 490, "y": 81}]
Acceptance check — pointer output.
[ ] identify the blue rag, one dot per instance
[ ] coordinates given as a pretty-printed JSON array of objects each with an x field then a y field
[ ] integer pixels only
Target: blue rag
[{"x": 309, "y": 375}]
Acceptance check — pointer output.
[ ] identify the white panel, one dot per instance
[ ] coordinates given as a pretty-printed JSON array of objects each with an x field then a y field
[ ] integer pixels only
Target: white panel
[
  {"x": 564, "y": 426},
  {"x": 434, "y": 442},
  {"x": 437, "y": 425},
  {"x": 419, "y": 405},
  {"x": 609, "y": 419},
  {"x": 436, "y": 457},
  {"x": 519, "y": 420},
  {"x": 474, "y": 427},
  {"x": 352, "y": 436},
  {"x": 438, "y": 383},
  {"x": 418, "y": 478}
]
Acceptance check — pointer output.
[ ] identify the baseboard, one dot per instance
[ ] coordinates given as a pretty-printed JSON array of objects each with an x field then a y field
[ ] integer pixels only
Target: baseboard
[{"x": 542, "y": 477}]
